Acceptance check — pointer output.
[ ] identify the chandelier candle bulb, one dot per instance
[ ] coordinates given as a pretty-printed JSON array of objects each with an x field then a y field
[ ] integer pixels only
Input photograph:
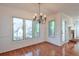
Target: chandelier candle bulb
[
  {"x": 33, "y": 17},
  {"x": 41, "y": 14},
  {"x": 44, "y": 16},
  {"x": 40, "y": 17},
  {"x": 35, "y": 14}
]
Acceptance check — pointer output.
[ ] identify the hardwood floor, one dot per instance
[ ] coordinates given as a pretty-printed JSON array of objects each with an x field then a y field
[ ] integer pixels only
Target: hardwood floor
[
  {"x": 70, "y": 48},
  {"x": 44, "y": 49},
  {"x": 41, "y": 49}
]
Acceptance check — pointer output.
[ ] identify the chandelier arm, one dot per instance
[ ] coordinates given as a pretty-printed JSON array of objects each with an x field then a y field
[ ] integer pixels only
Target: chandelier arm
[
  {"x": 40, "y": 17},
  {"x": 39, "y": 8},
  {"x": 39, "y": 14}
]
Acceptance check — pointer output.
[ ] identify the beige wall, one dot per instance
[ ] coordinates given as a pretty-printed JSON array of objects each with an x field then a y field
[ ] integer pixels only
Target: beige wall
[
  {"x": 57, "y": 39},
  {"x": 67, "y": 19},
  {"x": 6, "y": 42}
]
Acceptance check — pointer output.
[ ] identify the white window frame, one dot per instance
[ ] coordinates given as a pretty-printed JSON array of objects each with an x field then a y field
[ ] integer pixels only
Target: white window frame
[
  {"x": 24, "y": 29},
  {"x": 13, "y": 29},
  {"x": 49, "y": 28}
]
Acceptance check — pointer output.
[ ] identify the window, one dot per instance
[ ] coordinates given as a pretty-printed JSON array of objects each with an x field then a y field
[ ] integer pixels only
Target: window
[
  {"x": 63, "y": 30},
  {"x": 17, "y": 29},
  {"x": 25, "y": 29},
  {"x": 77, "y": 29},
  {"x": 28, "y": 24},
  {"x": 51, "y": 29},
  {"x": 36, "y": 29}
]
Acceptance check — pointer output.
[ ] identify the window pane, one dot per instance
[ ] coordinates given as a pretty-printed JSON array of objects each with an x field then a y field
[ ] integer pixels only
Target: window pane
[
  {"x": 36, "y": 29},
  {"x": 17, "y": 28},
  {"x": 77, "y": 29},
  {"x": 63, "y": 30},
  {"x": 51, "y": 28},
  {"x": 28, "y": 24}
]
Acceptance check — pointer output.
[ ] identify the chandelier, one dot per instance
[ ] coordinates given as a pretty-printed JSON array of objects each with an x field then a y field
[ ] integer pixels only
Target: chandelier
[{"x": 40, "y": 17}]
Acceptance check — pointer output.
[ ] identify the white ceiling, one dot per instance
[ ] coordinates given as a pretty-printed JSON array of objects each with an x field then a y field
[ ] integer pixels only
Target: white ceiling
[{"x": 71, "y": 9}]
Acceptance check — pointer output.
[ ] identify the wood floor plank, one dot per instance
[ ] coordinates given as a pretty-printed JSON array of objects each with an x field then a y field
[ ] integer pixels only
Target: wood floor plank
[{"x": 42, "y": 49}]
